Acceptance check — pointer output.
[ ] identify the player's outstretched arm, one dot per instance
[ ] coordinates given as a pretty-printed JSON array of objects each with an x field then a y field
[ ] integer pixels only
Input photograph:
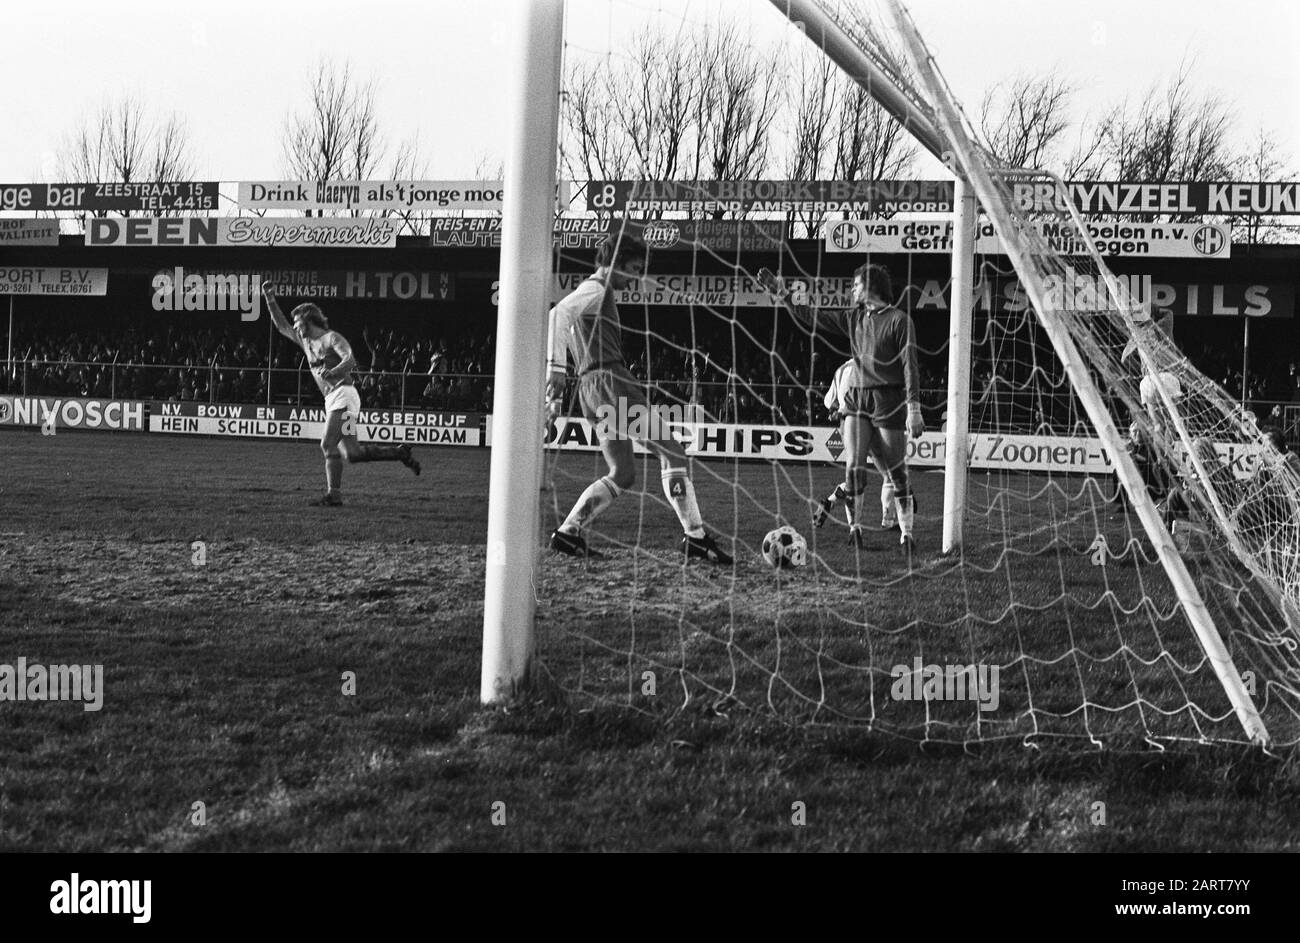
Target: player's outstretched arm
[
  {"x": 775, "y": 286},
  {"x": 277, "y": 316},
  {"x": 768, "y": 280},
  {"x": 805, "y": 315}
]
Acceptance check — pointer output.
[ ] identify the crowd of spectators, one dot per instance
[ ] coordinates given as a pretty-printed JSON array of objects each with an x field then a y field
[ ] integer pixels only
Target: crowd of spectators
[
  {"x": 1272, "y": 378},
  {"x": 163, "y": 362},
  {"x": 728, "y": 373}
]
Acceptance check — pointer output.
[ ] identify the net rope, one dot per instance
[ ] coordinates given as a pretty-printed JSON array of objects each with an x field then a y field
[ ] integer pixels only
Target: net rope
[{"x": 1057, "y": 585}]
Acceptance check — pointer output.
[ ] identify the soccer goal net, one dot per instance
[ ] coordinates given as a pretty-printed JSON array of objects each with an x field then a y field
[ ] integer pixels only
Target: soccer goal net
[{"x": 1128, "y": 564}]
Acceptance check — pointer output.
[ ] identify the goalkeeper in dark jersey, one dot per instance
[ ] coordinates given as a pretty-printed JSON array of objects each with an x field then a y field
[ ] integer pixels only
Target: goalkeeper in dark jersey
[
  {"x": 885, "y": 407},
  {"x": 586, "y": 326}
]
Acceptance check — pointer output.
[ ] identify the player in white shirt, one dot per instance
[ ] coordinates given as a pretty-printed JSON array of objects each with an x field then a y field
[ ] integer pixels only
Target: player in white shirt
[
  {"x": 585, "y": 326},
  {"x": 1149, "y": 392},
  {"x": 329, "y": 356},
  {"x": 1152, "y": 380},
  {"x": 846, "y": 378}
]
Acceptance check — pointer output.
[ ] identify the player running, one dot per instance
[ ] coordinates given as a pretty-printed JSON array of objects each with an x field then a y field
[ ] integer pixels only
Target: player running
[
  {"x": 885, "y": 407},
  {"x": 846, "y": 378},
  {"x": 330, "y": 358},
  {"x": 586, "y": 325}
]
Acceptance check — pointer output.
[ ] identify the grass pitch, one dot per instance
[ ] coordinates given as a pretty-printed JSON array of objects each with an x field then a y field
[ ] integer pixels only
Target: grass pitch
[{"x": 225, "y": 681}]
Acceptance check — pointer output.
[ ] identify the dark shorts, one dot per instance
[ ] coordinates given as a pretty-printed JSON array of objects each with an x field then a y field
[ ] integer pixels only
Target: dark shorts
[
  {"x": 884, "y": 406},
  {"x": 606, "y": 395}
]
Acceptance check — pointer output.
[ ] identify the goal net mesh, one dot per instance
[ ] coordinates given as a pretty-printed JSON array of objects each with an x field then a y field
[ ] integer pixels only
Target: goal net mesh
[{"x": 1054, "y": 620}]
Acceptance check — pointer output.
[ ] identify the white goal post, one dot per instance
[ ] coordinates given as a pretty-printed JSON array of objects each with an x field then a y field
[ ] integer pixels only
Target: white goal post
[{"x": 509, "y": 603}]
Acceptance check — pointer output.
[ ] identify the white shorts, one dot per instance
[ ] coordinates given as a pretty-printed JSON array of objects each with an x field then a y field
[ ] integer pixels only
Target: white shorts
[{"x": 347, "y": 399}]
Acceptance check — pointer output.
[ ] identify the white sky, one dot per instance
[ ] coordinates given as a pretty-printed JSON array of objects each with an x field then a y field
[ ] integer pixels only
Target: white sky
[{"x": 234, "y": 70}]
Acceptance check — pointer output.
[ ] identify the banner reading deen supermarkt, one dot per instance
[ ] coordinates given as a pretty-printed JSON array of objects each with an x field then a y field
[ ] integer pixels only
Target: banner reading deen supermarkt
[
  {"x": 245, "y": 231},
  {"x": 389, "y": 196},
  {"x": 1146, "y": 240},
  {"x": 399, "y": 426}
]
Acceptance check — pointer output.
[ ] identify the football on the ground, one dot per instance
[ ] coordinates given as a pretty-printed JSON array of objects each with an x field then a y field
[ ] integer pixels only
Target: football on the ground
[{"x": 784, "y": 547}]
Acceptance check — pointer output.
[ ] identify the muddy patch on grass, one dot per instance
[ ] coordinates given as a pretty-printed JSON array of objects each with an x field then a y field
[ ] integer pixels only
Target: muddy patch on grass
[
  {"x": 404, "y": 578},
  {"x": 250, "y": 574}
]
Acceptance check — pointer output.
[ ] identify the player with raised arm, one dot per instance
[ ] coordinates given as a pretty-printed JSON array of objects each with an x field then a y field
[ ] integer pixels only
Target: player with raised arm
[
  {"x": 885, "y": 408},
  {"x": 586, "y": 326},
  {"x": 330, "y": 358}
]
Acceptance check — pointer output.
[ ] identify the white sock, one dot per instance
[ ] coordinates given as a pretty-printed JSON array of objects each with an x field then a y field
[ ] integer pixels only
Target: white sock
[
  {"x": 906, "y": 511},
  {"x": 599, "y": 495},
  {"x": 680, "y": 493},
  {"x": 841, "y": 496},
  {"x": 856, "y": 508},
  {"x": 886, "y": 500}
]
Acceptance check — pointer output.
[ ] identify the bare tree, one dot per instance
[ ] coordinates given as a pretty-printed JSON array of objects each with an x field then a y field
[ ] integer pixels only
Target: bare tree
[
  {"x": 171, "y": 150},
  {"x": 1172, "y": 134},
  {"x": 633, "y": 116},
  {"x": 871, "y": 144},
  {"x": 662, "y": 88},
  {"x": 489, "y": 168},
  {"x": 121, "y": 142},
  {"x": 367, "y": 146},
  {"x": 811, "y": 117},
  {"x": 811, "y": 126},
  {"x": 593, "y": 147},
  {"x": 407, "y": 164},
  {"x": 339, "y": 134},
  {"x": 735, "y": 106},
  {"x": 1263, "y": 161},
  {"x": 839, "y": 131},
  {"x": 320, "y": 142},
  {"x": 1084, "y": 160},
  {"x": 668, "y": 109},
  {"x": 1023, "y": 118}
]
